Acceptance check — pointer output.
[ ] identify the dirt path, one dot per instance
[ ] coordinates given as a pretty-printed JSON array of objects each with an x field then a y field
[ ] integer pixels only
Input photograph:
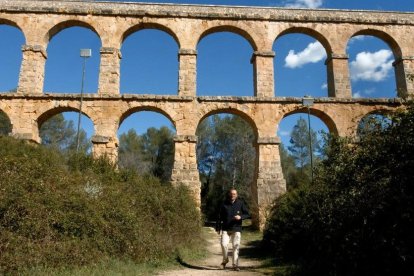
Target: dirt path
[{"x": 211, "y": 265}]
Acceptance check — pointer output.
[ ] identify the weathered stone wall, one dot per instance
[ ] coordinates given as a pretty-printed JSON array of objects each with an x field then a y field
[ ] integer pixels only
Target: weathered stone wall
[{"x": 39, "y": 21}]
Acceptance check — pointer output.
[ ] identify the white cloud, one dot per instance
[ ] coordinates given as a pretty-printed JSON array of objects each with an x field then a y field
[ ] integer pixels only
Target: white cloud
[
  {"x": 357, "y": 95},
  {"x": 304, "y": 3},
  {"x": 324, "y": 86},
  {"x": 313, "y": 53},
  {"x": 370, "y": 66},
  {"x": 357, "y": 38},
  {"x": 369, "y": 91},
  {"x": 284, "y": 133},
  {"x": 366, "y": 92}
]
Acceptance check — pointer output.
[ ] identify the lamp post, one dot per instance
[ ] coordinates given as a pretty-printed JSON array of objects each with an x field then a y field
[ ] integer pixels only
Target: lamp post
[
  {"x": 84, "y": 53},
  {"x": 307, "y": 101}
]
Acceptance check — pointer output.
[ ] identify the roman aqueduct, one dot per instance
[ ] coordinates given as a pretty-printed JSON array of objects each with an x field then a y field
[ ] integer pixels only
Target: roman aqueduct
[{"x": 39, "y": 21}]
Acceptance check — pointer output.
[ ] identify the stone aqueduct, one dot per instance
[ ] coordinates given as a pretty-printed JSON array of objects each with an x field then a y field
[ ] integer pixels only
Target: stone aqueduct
[{"x": 39, "y": 21}]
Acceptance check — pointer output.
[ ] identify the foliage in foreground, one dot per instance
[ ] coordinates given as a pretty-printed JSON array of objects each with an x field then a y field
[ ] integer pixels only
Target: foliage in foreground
[
  {"x": 68, "y": 213},
  {"x": 358, "y": 216}
]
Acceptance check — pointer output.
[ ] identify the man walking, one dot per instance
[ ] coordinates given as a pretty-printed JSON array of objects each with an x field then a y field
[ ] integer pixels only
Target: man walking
[{"x": 232, "y": 212}]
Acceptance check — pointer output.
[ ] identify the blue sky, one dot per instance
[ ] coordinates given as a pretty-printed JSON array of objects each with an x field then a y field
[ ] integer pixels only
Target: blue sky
[{"x": 223, "y": 63}]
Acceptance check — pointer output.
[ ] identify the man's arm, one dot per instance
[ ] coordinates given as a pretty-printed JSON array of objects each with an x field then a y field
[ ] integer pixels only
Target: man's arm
[
  {"x": 244, "y": 212},
  {"x": 218, "y": 220}
]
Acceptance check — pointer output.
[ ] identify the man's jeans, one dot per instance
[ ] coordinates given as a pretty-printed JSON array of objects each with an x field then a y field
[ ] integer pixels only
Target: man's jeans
[{"x": 235, "y": 240}]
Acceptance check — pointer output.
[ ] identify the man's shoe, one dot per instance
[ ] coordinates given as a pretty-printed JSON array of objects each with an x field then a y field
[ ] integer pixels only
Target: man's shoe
[
  {"x": 236, "y": 268},
  {"x": 224, "y": 263}
]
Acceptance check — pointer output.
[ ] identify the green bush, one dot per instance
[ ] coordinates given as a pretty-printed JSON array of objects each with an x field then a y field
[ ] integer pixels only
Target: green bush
[
  {"x": 357, "y": 218},
  {"x": 70, "y": 211}
]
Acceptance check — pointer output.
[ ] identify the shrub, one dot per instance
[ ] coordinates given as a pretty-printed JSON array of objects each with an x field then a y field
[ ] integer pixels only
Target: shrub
[
  {"x": 357, "y": 217},
  {"x": 57, "y": 211}
]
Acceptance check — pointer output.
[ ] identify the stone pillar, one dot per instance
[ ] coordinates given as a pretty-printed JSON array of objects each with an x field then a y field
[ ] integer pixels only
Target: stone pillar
[
  {"x": 105, "y": 146},
  {"x": 404, "y": 73},
  {"x": 270, "y": 182},
  {"x": 32, "y": 70},
  {"x": 263, "y": 73},
  {"x": 187, "y": 79},
  {"x": 339, "y": 84},
  {"x": 185, "y": 170},
  {"x": 109, "y": 73},
  {"x": 24, "y": 123}
]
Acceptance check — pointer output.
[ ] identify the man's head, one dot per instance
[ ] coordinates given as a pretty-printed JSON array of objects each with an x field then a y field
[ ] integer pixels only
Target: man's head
[{"x": 232, "y": 194}]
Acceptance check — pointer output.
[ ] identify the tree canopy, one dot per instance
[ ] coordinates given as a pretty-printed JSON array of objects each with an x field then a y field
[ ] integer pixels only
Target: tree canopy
[
  {"x": 61, "y": 134},
  {"x": 150, "y": 153}
]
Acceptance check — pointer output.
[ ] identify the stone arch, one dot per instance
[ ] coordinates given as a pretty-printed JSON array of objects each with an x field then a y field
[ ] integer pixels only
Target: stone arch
[
  {"x": 49, "y": 113},
  {"x": 398, "y": 68},
  {"x": 136, "y": 109},
  {"x": 15, "y": 54},
  {"x": 381, "y": 112},
  {"x": 12, "y": 23},
  {"x": 392, "y": 43},
  {"x": 310, "y": 32},
  {"x": 67, "y": 24},
  {"x": 5, "y": 129},
  {"x": 149, "y": 60},
  {"x": 232, "y": 29},
  {"x": 232, "y": 111},
  {"x": 55, "y": 63},
  {"x": 323, "y": 116},
  {"x": 154, "y": 26}
]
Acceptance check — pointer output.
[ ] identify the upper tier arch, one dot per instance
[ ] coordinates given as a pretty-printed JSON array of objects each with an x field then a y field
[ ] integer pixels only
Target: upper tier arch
[
  {"x": 68, "y": 24},
  {"x": 387, "y": 38},
  {"x": 310, "y": 32},
  {"x": 232, "y": 29},
  {"x": 150, "y": 25}
]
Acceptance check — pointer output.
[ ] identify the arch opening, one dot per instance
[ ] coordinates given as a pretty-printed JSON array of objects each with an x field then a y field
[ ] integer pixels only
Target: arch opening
[
  {"x": 223, "y": 65},
  {"x": 5, "y": 124},
  {"x": 58, "y": 128},
  {"x": 374, "y": 121},
  {"x": 146, "y": 143},
  {"x": 149, "y": 63},
  {"x": 371, "y": 58},
  {"x": 226, "y": 158},
  {"x": 10, "y": 56},
  {"x": 302, "y": 149},
  {"x": 300, "y": 54},
  {"x": 64, "y": 65}
]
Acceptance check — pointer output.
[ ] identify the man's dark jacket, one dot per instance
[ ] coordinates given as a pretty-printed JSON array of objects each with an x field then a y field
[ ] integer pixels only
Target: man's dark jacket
[{"x": 228, "y": 210}]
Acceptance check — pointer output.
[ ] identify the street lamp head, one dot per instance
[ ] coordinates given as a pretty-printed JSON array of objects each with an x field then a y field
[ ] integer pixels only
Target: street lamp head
[
  {"x": 307, "y": 101},
  {"x": 85, "y": 53}
]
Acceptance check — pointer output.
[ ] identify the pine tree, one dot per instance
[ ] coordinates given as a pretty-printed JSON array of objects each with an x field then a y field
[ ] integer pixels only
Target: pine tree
[{"x": 299, "y": 144}]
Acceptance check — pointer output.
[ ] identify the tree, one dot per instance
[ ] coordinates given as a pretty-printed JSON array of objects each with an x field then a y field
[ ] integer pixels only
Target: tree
[
  {"x": 299, "y": 145},
  {"x": 149, "y": 153},
  {"x": 357, "y": 217},
  {"x": 290, "y": 171},
  {"x": 373, "y": 122},
  {"x": 225, "y": 158},
  {"x": 5, "y": 125},
  {"x": 159, "y": 148},
  {"x": 131, "y": 153},
  {"x": 60, "y": 134}
]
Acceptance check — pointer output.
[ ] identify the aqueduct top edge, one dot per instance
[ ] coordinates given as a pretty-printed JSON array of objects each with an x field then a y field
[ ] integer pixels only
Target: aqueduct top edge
[{"x": 209, "y": 12}]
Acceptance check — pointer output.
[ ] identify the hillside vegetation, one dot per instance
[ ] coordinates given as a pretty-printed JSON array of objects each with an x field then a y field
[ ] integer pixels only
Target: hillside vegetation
[{"x": 68, "y": 211}]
